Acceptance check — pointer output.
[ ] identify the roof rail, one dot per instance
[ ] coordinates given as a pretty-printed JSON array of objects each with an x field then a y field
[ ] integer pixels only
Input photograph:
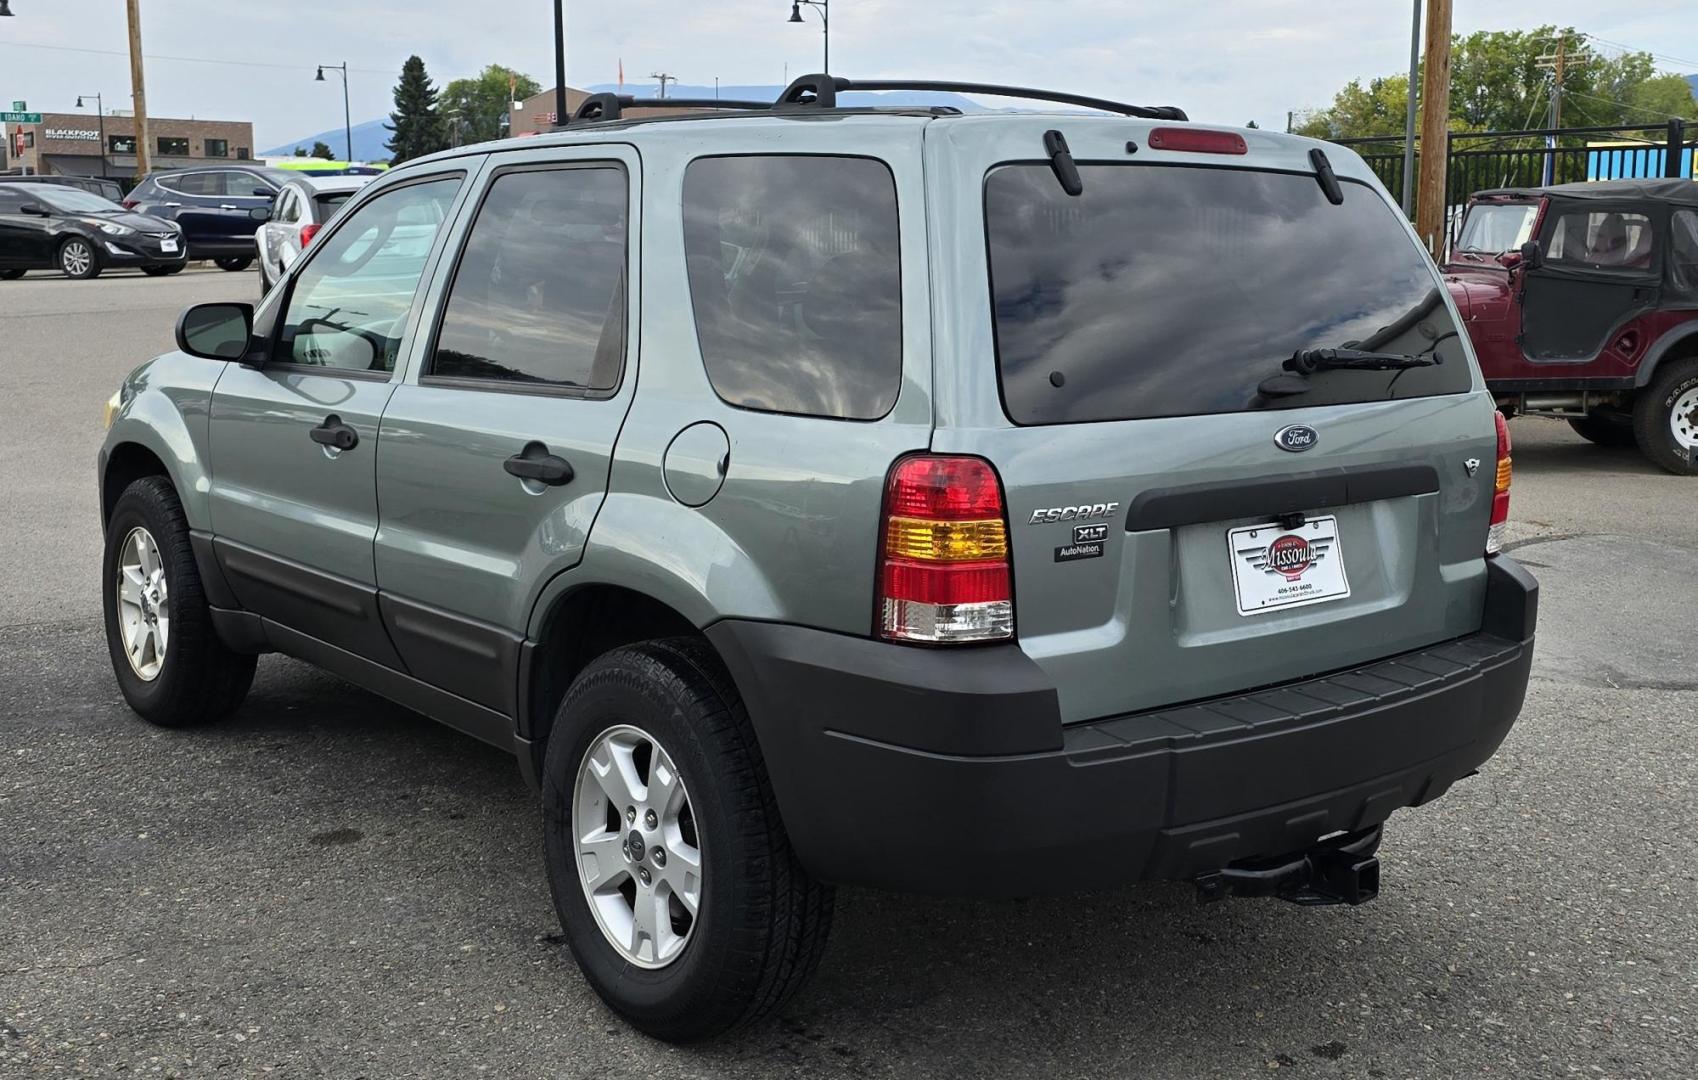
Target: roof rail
[
  {"x": 599, "y": 107},
  {"x": 820, "y": 92}
]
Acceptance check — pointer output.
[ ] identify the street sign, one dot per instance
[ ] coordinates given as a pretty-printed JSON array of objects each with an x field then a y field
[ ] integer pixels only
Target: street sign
[
  {"x": 20, "y": 106},
  {"x": 20, "y": 117}
]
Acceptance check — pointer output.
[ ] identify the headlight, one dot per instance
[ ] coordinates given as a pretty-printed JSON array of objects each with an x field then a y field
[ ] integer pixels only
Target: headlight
[
  {"x": 112, "y": 228},
  {"x": 110, "y": 412}
]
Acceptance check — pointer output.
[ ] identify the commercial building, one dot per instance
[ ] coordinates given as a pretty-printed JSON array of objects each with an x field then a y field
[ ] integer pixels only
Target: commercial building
[
  {"x": 536, "y": 113},
  {"x": 70, "y": 144}
]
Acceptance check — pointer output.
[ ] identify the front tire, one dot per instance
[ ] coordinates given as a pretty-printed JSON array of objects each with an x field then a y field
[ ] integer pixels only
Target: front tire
[
  {"x": 1604, "y": 429},
  {"x": 78, "y": 259},
  {"x": 234, "y": 263},
  {"x": 734, "y": 925},
  {"x": 171, "y": 666},
  {"x": 1665, "y": 417}
]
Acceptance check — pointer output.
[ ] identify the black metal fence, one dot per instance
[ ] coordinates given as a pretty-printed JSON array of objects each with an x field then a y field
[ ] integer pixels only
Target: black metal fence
[{"x": 1479, "y": 161}]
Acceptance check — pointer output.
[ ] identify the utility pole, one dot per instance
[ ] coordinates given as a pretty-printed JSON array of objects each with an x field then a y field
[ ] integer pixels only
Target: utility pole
[
  {"x": 1409, "y": 118},
  {"x": 664, "y": 79},
  {"x": 560, "y": 113},
  {"x": 138, "y": 90},
  {"x": 1430, "y": 197},
  {"x": 1557, "y": 64}
]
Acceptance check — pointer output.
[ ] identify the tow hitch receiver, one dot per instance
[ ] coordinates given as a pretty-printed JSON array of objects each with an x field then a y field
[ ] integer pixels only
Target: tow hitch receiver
[{"x": 1339, "y": 870}]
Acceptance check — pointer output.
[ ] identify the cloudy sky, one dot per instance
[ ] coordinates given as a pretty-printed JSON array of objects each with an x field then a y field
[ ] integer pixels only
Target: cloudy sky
[{"x": 1223, "y": 60}]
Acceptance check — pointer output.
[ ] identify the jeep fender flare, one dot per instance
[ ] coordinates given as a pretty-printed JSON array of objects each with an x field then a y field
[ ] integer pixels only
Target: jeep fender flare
[{"x": 1685, "y": 333}]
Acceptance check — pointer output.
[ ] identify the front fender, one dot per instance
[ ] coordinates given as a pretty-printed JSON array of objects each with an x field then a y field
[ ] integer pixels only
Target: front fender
[
  {"x": 671, "y": 553},
  {"x": 165, "y": 404}
]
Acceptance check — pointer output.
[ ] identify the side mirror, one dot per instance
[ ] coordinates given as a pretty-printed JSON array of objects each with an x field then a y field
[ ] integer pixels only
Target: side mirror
[
  {"x": 265, "y": 193},
  {"x": 1532, "y": 255},
  {"x": 216, "y": 331},
  {"x": 35, "y": 209}
]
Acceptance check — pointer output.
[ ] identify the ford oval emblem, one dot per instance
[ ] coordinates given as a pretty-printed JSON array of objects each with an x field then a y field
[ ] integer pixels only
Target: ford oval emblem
[{"x": 1296, "y": 438}]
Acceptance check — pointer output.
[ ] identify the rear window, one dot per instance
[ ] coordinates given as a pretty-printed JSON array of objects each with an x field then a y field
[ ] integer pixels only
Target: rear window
[
  {"x": 1174, "y": 291},
  {"x": 329, "y": 204},
  {"x": 795, "y": 280}
]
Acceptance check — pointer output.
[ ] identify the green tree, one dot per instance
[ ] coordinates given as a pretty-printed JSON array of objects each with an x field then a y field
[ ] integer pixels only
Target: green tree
[
  {"x": 322, "y": 150},
  {"x": 479, "y": 104},
  {"x": 301, "y": 151},
  {"x": 1498, "y": 84},
  {"x": 415, "y": 126}
]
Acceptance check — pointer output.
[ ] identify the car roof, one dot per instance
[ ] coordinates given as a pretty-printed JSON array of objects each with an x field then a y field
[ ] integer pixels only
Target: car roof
[
  {"x": 1673, "y": 190},
  {"x": 331, "y": 184}
]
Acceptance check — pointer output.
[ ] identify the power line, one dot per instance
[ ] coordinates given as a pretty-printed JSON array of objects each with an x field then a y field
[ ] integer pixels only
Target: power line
[
  {"x": 1693, "y": 64},
  {"x": 195, "y": 59}
]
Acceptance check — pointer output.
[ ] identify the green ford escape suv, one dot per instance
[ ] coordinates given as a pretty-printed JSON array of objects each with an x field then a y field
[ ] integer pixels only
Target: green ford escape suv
[{"x": 812, "y": 495}]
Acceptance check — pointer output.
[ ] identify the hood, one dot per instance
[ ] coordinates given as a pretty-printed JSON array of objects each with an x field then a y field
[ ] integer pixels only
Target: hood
[
  {"x": 138, "y": 222},
  {"x": 1476, "y": 288}
]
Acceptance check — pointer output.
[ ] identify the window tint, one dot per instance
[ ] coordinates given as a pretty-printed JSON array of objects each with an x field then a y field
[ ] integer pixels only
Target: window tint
[
  {"x": 10, "y": 203},
  {"x": 197, "y": 183},
  {"x": 329, "y": 204},
  {"x": 795, "y": 280},
  {"x": 1683, "y": 250},
  {"x": 244, "y": 184},
  {"x": 539, "y": 294},
  {"x": 1174, "y": 291},
  {"x": 349, "y": 304},
  {"x": 1602, "y": 240},
  {"x": 288, "y": 207}
]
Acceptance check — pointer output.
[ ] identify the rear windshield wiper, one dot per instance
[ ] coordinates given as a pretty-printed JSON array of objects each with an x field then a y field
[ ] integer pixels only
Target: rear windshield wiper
[{"x": 1305, "y": 362}]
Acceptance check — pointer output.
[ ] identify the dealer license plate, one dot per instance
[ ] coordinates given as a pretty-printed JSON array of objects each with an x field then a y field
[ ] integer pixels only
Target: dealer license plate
[
  {"x": 168, "y": 246},
  {"x": 1275, "y": 568}
]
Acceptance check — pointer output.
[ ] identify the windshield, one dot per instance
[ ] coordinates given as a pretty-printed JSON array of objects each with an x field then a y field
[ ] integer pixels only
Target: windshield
[
  {"x": 71, "y": 200},
  {"x": 1496, "y": 228},
  {"x": 1174, "y": 291}
]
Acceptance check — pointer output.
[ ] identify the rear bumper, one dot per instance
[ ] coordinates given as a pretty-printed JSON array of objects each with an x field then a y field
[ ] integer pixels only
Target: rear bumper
[{"x": 950, "y": 771}]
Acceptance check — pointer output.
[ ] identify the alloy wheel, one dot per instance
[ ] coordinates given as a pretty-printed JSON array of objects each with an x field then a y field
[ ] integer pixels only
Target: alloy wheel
[
  {"x": 638, "y": 854},
  {"x": 76, "y": 258},
  {"x": 144, "y": 612}
]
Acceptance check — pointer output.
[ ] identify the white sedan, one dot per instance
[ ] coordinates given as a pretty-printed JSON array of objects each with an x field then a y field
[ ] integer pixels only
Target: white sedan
[{"x": 302, "y": 207}]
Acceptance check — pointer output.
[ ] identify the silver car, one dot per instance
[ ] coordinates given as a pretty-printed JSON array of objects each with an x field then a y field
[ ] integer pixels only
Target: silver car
[{"x": 302, "y": 207}]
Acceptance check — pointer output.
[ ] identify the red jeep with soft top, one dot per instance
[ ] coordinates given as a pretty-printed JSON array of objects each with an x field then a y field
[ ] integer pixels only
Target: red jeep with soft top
[{"x": 1582, "y": 303}]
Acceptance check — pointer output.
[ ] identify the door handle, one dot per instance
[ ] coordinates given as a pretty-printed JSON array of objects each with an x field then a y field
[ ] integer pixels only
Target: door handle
[
  {"x": 173, "y": 204},
  {"x": 227, "y": 206},
  {"x": 335, "y": 434},
  {"x": 534, "y": 462}
]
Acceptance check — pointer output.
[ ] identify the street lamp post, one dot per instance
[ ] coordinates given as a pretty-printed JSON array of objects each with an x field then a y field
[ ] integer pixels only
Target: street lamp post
[
  {"x": 347, "y": 123},
  {"x": 825, "y": 22},
  {"x": 100, "y": 110}
]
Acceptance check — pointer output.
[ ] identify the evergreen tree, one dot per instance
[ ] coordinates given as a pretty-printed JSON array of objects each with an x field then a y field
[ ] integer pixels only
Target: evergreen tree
[
  {"x": 416, "y": 127},
  {"x": 301, "y": 151},
  {"x": 322, "y": 150}
]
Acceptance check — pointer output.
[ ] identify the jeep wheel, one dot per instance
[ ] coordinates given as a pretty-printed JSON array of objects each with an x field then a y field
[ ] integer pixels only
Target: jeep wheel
[
  {"x": 1605, "y": 429},
  {"x": 78, "y": 260},
  {"x": 671, "y": 871},
  {"x": 1665, "y": 417},
  {"x": 171, "y": 666}
]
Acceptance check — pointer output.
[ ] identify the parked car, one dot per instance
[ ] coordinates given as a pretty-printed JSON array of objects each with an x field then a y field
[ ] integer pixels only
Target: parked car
[
  {"x": 218, "y": 206},
  {"x": 974, "y": 519},
  {"x": 94, "y": 185},
  {"x": 1582, "y": 303},
  {"x": 50, "y": 226},
  {"x": 303, "y": 206}
]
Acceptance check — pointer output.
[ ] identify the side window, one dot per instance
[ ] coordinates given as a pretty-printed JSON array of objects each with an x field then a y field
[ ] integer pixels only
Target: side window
[
  {"x": 1602, "y": 240},
  {"x": 288, "y": 207},
  {"x": 199, "y": 183},
  {"x": 795, "y": 280},
  {"x": 349, "y": 304},
  {"x": 238, "y": 183},
  {"x": 10, "y": 203},
  {"x": 1683, "y": 250},
  {"x": 539, "y": 295}
]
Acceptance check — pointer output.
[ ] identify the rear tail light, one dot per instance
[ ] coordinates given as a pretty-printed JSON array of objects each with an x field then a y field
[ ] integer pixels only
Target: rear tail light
[
  {"x": 308, "y": 232},
  {"x": 1500, "y": 490},
  {"x": 129, "y": 204},
  {"x": 1198, "y": 141},
  {"x": 943, "y": 560}
]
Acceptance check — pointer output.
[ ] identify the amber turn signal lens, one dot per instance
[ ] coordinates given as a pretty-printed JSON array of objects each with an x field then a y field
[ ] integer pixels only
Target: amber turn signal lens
[{"x": 945, "y": 541}]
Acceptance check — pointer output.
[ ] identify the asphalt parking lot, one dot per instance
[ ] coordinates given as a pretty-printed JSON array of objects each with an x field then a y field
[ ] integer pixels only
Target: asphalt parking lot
[{"x": 330, "y": 885}]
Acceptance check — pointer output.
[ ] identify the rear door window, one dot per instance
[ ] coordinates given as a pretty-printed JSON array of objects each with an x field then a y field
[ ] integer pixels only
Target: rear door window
[
  {"x": 1174, "y": 291},
  {"x": 795, "y": 280}
]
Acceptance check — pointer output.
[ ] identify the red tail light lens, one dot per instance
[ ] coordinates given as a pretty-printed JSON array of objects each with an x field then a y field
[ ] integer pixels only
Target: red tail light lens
[
  {"x": 1500, "y": 490},
  {"x": 129, "y": 204},
  {"x": 1198, "y": 141},
  {"x": 943, "y": 560},
  {"x": 308, "y": 232}
]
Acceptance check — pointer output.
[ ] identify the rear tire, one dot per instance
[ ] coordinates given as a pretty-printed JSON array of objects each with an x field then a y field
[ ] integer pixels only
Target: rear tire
[
  {"x": 761, "y": 922},
  {"x": 1604, "y": 429},
  {"x": 1665, "y": 417},
  {"x": 234, "y": 263},
  {"x": 78, "y": 260},
  {"x": 190, "y": 677}
]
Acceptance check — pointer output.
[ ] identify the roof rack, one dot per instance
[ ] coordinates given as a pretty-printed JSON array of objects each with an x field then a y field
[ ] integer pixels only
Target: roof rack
[{"x": 820, "y": 92}]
